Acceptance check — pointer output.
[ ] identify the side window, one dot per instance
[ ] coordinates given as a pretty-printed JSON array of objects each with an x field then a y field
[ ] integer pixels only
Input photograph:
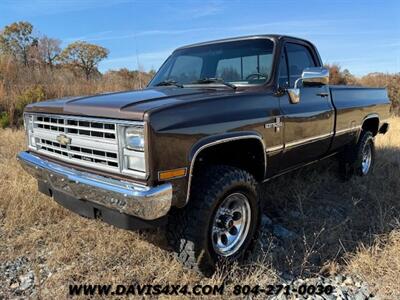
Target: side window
[
  {"x": 283, "y": 74},
  {"x": 299, "y": 58}
]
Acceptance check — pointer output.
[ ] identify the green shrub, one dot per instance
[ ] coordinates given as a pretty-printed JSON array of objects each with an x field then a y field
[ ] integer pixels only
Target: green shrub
[
  {"x": 4, "y": 119},
  {"x": 30, "y": 95}
]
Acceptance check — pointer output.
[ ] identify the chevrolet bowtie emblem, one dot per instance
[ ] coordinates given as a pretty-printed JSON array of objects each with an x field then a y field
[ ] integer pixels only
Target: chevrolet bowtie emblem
[{"x": 63, "y": 139}]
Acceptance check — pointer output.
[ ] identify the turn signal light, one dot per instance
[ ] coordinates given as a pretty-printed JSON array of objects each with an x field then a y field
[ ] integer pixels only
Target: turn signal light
[{"x": 164, "y": 175}]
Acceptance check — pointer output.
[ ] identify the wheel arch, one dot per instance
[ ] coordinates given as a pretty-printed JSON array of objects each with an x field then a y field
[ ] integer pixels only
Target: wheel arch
[
  {"x": 371, "y": 123},
  {"x": 226, "y": 140}
]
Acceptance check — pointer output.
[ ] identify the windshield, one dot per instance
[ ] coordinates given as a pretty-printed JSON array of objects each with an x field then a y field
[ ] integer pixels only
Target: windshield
[{"x": 241, "y": 62}]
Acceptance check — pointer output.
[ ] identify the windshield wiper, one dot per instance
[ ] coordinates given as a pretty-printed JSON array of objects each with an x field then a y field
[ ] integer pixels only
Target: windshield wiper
[
  {"x": 214, "y": 80},
  {"x": 169, "y": 83}
]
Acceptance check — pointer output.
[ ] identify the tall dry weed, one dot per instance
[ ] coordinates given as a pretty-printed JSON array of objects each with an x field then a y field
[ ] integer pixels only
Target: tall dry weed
[
  {"x": 21, "y": 85},
  {"x": 348, "y": 227}
]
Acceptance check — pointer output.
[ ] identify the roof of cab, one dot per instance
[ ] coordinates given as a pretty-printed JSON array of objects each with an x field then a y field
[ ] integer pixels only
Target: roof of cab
[{"x": 247, "y": 37}]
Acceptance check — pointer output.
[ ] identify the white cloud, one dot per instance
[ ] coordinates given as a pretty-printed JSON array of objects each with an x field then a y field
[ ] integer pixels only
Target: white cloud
[
  {"x": 195, "y": 9},
  {"x": 111, "y": 35},
  {"x": 311, "y": 27}
]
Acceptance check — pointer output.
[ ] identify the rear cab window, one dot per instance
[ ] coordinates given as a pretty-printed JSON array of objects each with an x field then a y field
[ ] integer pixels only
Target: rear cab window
[{"x": 255, "y": 68}]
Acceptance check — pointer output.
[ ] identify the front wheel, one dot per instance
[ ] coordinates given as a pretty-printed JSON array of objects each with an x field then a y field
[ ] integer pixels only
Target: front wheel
[
  {"x": 231, "y": 224},
  {"x": 220, "y": 222}
]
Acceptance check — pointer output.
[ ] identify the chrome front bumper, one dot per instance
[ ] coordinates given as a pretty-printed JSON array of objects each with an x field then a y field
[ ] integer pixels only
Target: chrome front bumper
[{"x": 148, "y": 203}]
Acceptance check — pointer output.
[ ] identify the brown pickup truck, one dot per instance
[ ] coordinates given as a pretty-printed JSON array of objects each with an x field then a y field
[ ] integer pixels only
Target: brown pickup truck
[{"x": 188, "y": 151}]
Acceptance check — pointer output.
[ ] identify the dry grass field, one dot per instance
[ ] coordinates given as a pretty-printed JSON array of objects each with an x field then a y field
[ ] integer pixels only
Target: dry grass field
[{"x": 340, "y": 228}]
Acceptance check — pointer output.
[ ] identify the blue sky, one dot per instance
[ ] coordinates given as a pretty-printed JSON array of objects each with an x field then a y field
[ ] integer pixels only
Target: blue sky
[{"x": 363, "y": 36}]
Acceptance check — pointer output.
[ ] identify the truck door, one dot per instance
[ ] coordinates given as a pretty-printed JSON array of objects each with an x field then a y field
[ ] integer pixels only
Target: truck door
[{"x": 308, "y": 125}]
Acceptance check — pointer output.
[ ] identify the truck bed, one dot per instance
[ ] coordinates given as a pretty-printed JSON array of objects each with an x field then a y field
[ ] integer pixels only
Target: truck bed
[{"x": 353, "y": 104}]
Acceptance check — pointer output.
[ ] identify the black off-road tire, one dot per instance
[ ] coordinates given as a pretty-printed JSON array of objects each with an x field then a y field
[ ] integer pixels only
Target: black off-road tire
[
  {"x": 352, "y": 158},
  {"x": 189, "y": 228}
]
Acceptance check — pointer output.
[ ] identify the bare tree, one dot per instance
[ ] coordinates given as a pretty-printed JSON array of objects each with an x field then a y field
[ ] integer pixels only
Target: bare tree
[
  {"x": 84, "y": 56},
  {"x": 49, "y": 50}
]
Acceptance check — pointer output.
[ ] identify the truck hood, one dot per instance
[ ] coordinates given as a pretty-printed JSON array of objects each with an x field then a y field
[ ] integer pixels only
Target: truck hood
[{"x": 131, "y": 105}]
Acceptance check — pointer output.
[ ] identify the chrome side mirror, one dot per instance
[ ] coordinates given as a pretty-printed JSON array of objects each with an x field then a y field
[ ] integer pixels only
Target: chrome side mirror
[{"x": 310, "y": 76}]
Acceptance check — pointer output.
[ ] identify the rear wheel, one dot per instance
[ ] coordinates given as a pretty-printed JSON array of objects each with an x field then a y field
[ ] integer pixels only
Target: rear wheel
[
  {"x": 366, "y": 158},
  {"x": 220, "y": 222},
  {"x": 359, "y": 159}
]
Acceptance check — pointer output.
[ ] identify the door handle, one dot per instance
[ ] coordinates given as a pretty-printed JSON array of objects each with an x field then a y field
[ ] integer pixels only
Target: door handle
[{"x": 323, "y": 94}]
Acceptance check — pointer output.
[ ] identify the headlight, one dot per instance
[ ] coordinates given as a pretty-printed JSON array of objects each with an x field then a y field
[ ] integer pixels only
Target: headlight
[
  {"x": 134, "y": 138},
  {"x": 133, "y": 150}
]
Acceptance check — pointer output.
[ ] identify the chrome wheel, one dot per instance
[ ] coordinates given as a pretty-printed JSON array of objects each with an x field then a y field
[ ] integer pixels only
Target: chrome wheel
[
  {"x": 366, "y": 158},
  {"x": 231, "y": 224}
]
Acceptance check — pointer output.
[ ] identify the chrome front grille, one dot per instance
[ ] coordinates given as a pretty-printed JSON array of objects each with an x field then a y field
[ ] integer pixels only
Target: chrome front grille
[
  {"x": 90, "y": 142},
  {"x": 77, "y": 127}
]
